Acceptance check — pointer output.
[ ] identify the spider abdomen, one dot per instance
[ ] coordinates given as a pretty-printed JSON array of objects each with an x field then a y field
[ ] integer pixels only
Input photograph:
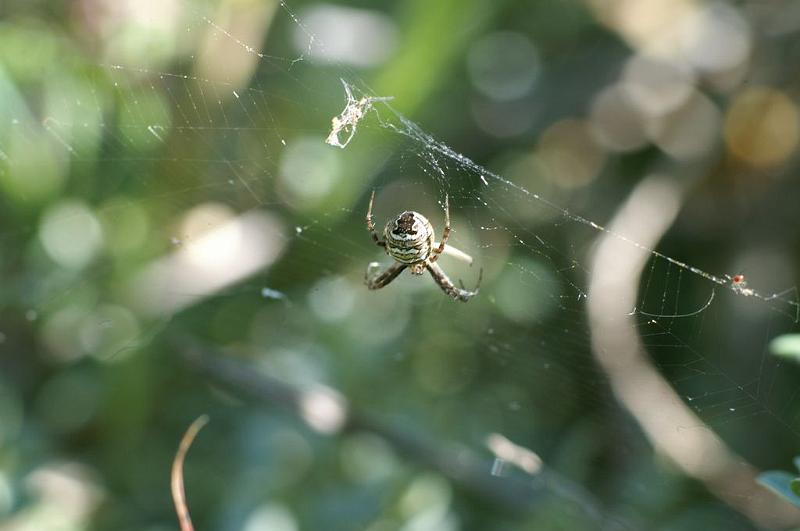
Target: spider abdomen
[{"x": 409, "y": 237}]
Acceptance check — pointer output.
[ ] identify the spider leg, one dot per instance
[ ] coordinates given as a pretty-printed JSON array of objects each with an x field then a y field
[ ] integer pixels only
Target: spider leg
[
  {"x": 371, "y": 223},
  {"x": 381, "y": 279},
  {"x": 447, "y": 285},
  {"x": 445, "y": 233}
]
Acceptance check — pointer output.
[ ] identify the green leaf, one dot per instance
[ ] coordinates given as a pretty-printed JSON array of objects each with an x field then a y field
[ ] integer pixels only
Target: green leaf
[
  {"x": 786, "y": 346},
  {"x": 796, "y": 461},
  {"x": 795, "y": 486},
  {"x": 782, "y": 483}
]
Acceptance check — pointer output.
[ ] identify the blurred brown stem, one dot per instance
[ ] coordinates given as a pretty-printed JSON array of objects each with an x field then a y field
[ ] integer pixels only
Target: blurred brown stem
[{"x": 176, "y": 478}]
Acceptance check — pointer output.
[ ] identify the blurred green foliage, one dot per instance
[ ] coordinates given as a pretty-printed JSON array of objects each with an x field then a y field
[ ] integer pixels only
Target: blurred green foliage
[{"x": 132, "y": 133}]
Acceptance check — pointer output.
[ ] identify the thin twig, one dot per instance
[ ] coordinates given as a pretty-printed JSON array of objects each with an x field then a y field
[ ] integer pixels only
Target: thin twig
[{"x": 176, "y": 478}]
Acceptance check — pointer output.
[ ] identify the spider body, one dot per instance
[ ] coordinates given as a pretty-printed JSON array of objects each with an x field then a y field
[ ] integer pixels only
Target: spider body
[{"x": 409, "y": 240}]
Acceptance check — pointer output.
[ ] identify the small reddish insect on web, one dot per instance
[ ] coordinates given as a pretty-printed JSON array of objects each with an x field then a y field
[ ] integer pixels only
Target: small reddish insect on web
[{"x": 739, "y": 285}]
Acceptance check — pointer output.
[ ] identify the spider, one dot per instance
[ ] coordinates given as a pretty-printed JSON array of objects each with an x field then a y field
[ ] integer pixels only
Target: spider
[{"x": 409, "y": 239}]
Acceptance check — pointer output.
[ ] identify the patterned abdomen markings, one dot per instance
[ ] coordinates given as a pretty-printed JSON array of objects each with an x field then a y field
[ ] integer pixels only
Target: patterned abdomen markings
[{"x": 409, "y": 237}]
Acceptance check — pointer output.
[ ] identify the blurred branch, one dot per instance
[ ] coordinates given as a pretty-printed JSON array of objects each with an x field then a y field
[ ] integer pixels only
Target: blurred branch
[
  {"x": 462, "y": 467},
  {"x": 670, "y": 425}
]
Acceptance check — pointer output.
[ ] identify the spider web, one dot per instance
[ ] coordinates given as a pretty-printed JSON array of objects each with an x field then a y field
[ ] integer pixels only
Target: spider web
[{"x": 213, "y": 161}]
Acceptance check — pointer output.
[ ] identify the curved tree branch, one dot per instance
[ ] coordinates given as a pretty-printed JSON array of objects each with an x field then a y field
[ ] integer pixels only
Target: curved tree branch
[{"x": 615, "y": 275}]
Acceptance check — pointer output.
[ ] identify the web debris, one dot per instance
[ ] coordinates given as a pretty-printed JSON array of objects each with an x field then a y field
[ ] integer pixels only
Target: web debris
[{"x": 347, "y": 122}]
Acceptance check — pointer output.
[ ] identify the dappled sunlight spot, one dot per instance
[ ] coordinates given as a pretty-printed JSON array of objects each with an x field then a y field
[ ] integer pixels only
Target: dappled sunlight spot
[
  {"x": 204, "y": 218},
  {"x": 63, "y": 496},
  {"x": 569, "y": 155},
  {"x": 308, "y": 171},
  {"x": 425, "y": 491},
  {"x": 221, "y": 58},
  {"x": 323, "y": 408},
  {"x": 332, "y": 298},
  {"x": 761, "y": 126},
  {"x": 646, "y": 24},
  {"x": 160, "y": 16},
  {"x": 204, "y": 265},
  {"x": 616, "y": 123},
  {"x": 271, "y": 517},
  {"x": 503, "y": 65},
  {"x": 426, "y": 505},
  {"x": 711, "y": 38},
  {"x": 345, "y": 35},
  {"x": 716, "y": 38},
  {"x": 689, "y": 132},
  {"x": 109, "y": 333},
  {"x": 209, "y": 234},
  {"x": 143, "y": 34},
  {"x": 655, "y": 85},
  {"x": 70, "y": 234},
  {"x": 786, "y": 346}
]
